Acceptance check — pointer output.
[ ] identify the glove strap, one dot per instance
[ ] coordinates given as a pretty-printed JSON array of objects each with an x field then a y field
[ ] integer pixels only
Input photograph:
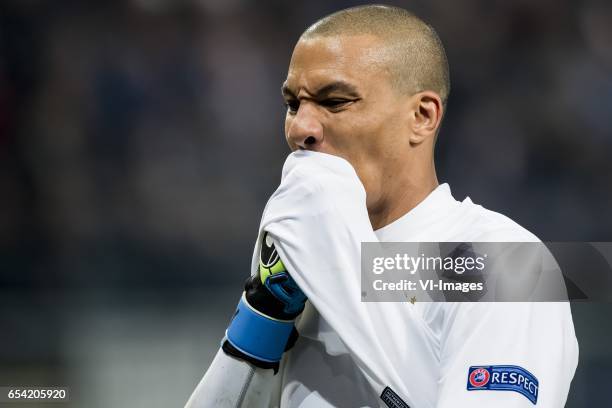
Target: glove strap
[
  {"x": 287, "y": 291},
  {"x": 257, "y": 335}
]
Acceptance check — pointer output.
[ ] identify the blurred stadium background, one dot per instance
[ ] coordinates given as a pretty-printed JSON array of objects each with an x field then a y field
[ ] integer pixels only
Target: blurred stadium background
[{"x": 140, "y": 140}]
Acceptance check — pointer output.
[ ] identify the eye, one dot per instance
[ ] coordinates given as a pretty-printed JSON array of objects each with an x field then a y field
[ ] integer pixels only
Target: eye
[
  {"x": 292, "y": 106},
  {"x": 334, "y": 103}
]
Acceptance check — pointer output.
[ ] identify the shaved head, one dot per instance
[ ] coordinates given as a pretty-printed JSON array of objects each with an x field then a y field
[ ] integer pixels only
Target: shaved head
[
  {"x": 369, "y": 84},
  {"x": 413, "y": 53}
]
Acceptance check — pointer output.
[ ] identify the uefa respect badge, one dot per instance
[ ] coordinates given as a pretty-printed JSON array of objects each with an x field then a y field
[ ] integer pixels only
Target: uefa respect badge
[{"x": 503, "y": 378}]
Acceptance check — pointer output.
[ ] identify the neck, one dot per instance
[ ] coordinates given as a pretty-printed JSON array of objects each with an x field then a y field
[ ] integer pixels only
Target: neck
[{"x": 401, "y": 194}]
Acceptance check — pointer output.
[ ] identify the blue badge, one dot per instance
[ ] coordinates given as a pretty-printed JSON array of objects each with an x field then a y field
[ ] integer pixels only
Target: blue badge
[{"x": 503, "y": 378}]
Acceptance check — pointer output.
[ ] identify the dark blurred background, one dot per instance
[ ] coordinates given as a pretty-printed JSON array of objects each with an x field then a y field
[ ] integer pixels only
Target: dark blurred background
[{"x": 140, "y": 140}]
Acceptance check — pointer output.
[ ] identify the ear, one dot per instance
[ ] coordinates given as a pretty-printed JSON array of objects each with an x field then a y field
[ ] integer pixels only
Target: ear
[{"x": 426, "y": 116}]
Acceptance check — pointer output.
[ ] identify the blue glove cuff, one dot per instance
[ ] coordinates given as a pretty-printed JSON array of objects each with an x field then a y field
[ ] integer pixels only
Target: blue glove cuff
[{"x": 256, "y": 335}]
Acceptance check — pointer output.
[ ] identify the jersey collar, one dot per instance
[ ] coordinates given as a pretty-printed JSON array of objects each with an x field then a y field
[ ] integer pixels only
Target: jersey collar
[{"x": 438, "y": 203}]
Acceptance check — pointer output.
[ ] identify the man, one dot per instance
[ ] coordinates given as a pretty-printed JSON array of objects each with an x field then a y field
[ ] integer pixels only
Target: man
[{"x": 366, "y": 92}]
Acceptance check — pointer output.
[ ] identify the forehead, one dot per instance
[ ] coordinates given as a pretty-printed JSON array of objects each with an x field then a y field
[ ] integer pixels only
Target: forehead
[{"x": 357, "y": 59}]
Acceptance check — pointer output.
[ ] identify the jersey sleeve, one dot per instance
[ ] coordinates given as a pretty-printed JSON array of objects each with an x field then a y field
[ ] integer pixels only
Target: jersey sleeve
[
  {"x": 231, "y": 383},
  {"x": 511, "y": 354},
  {"x": 318, "y": 219},
  {"x": 507, "y": 355}
]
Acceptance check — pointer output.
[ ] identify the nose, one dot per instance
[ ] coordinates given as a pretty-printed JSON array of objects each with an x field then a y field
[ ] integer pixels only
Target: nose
[{"x": 304, "y": 129}]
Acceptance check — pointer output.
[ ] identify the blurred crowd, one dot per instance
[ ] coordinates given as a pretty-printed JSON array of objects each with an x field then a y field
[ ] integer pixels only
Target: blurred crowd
[{"x": 140, "y": 140}]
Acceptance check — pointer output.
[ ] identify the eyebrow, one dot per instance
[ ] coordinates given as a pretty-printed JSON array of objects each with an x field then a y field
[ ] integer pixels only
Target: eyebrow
[{"x": 336, "y": 86}]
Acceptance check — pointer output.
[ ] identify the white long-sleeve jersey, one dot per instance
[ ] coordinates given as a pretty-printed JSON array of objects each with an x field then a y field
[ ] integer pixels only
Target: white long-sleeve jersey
[{"x": 357, "y": 354}]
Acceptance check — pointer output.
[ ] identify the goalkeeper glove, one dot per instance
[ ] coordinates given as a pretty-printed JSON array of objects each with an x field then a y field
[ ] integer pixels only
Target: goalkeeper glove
[{"x": 262, "y": 327}]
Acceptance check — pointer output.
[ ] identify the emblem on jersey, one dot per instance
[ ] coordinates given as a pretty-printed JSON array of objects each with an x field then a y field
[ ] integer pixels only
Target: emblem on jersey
[
  {"x": 503, "y": 378},
  {"x": 479, "y": 377}
]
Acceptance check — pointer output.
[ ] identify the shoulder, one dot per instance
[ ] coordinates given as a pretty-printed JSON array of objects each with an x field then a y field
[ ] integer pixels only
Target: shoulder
[{"x": 490, "y": 226}]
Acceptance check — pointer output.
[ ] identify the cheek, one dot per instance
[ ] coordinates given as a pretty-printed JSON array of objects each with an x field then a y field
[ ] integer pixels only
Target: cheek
[
  {"x": 369, "y": 173},
  {"x": 368, "y": 143},
  {"x": 348, "y": 133},
  {"x": 362, "y": 140},
  {"x": 370, "y": 178}
]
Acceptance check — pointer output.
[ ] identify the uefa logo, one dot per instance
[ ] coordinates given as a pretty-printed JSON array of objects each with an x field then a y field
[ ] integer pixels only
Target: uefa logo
[{"x": 479, "y": 377}]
